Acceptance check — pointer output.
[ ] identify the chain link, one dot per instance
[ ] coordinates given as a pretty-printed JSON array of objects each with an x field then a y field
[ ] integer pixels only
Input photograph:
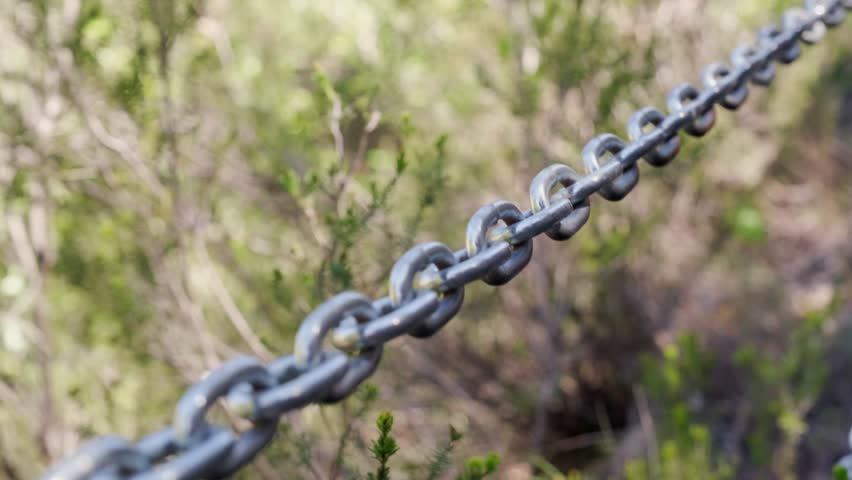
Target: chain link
[{"x": 427, "y": 283}]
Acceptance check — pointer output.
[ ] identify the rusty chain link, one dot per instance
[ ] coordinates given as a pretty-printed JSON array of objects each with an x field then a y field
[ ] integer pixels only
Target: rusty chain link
[{"x": 427, "y": 283}]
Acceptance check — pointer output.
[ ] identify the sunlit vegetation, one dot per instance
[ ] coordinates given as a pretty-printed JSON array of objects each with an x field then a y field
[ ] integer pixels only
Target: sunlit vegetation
[{"x": 185, "y": 180}]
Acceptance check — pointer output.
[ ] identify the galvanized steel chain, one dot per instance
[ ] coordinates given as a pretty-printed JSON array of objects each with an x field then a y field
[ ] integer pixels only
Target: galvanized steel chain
[{"x": 427, "y": 283}]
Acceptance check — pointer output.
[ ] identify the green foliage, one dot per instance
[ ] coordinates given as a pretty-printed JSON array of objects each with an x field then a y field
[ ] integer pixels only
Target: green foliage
[
  {"x": 675, "y": 381},
  {"x": 688, "y": 456},
  {"x": 184, "y": 181},
  {"x": 784, "y": 386},
  {"x": 780, "y": 386},
  {"x": 679, "y": 373},
  {"x": 384, "y": 447},
  {"x": 477, "y": 468},
  {"x": 441, "y": 459}
]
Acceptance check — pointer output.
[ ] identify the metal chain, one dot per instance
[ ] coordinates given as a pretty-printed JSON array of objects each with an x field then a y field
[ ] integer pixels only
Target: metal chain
[{"x": 427, "y": 283}]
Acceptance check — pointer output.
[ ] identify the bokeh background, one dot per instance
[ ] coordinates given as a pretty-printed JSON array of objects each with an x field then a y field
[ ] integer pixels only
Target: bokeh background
[{"x": 184, "y": 180}]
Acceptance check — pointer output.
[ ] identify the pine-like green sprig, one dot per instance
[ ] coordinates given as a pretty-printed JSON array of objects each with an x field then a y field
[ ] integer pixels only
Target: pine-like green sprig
[
  {"x": 384, "y": 447},
  {"x": 478, "y": 468},
  {"x": 440, "y": 461}
]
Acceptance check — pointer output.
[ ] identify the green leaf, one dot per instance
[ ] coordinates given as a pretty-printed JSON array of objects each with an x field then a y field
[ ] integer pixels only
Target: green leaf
[
  {"x": 291, "y": 183},
  {"x": 401, "y": 162}
]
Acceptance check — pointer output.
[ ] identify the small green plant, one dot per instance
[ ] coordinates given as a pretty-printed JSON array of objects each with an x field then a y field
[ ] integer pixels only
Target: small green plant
[
  {"x": 477, "y": 468},
  {"x": 839, "y": 473},
  {"x": 786, "y": 385},
  {"x": 440, "y": 461},
  {"x": 384, "y": 447},
  {"x": 688, "y": 456},
  {"x": 783, "y": 384}
]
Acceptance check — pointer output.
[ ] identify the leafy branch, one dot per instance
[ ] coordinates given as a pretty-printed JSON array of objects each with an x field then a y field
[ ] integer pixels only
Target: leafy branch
[
  {"x": 383, "y": 447},
  {"x": 440, "y": 461}
]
